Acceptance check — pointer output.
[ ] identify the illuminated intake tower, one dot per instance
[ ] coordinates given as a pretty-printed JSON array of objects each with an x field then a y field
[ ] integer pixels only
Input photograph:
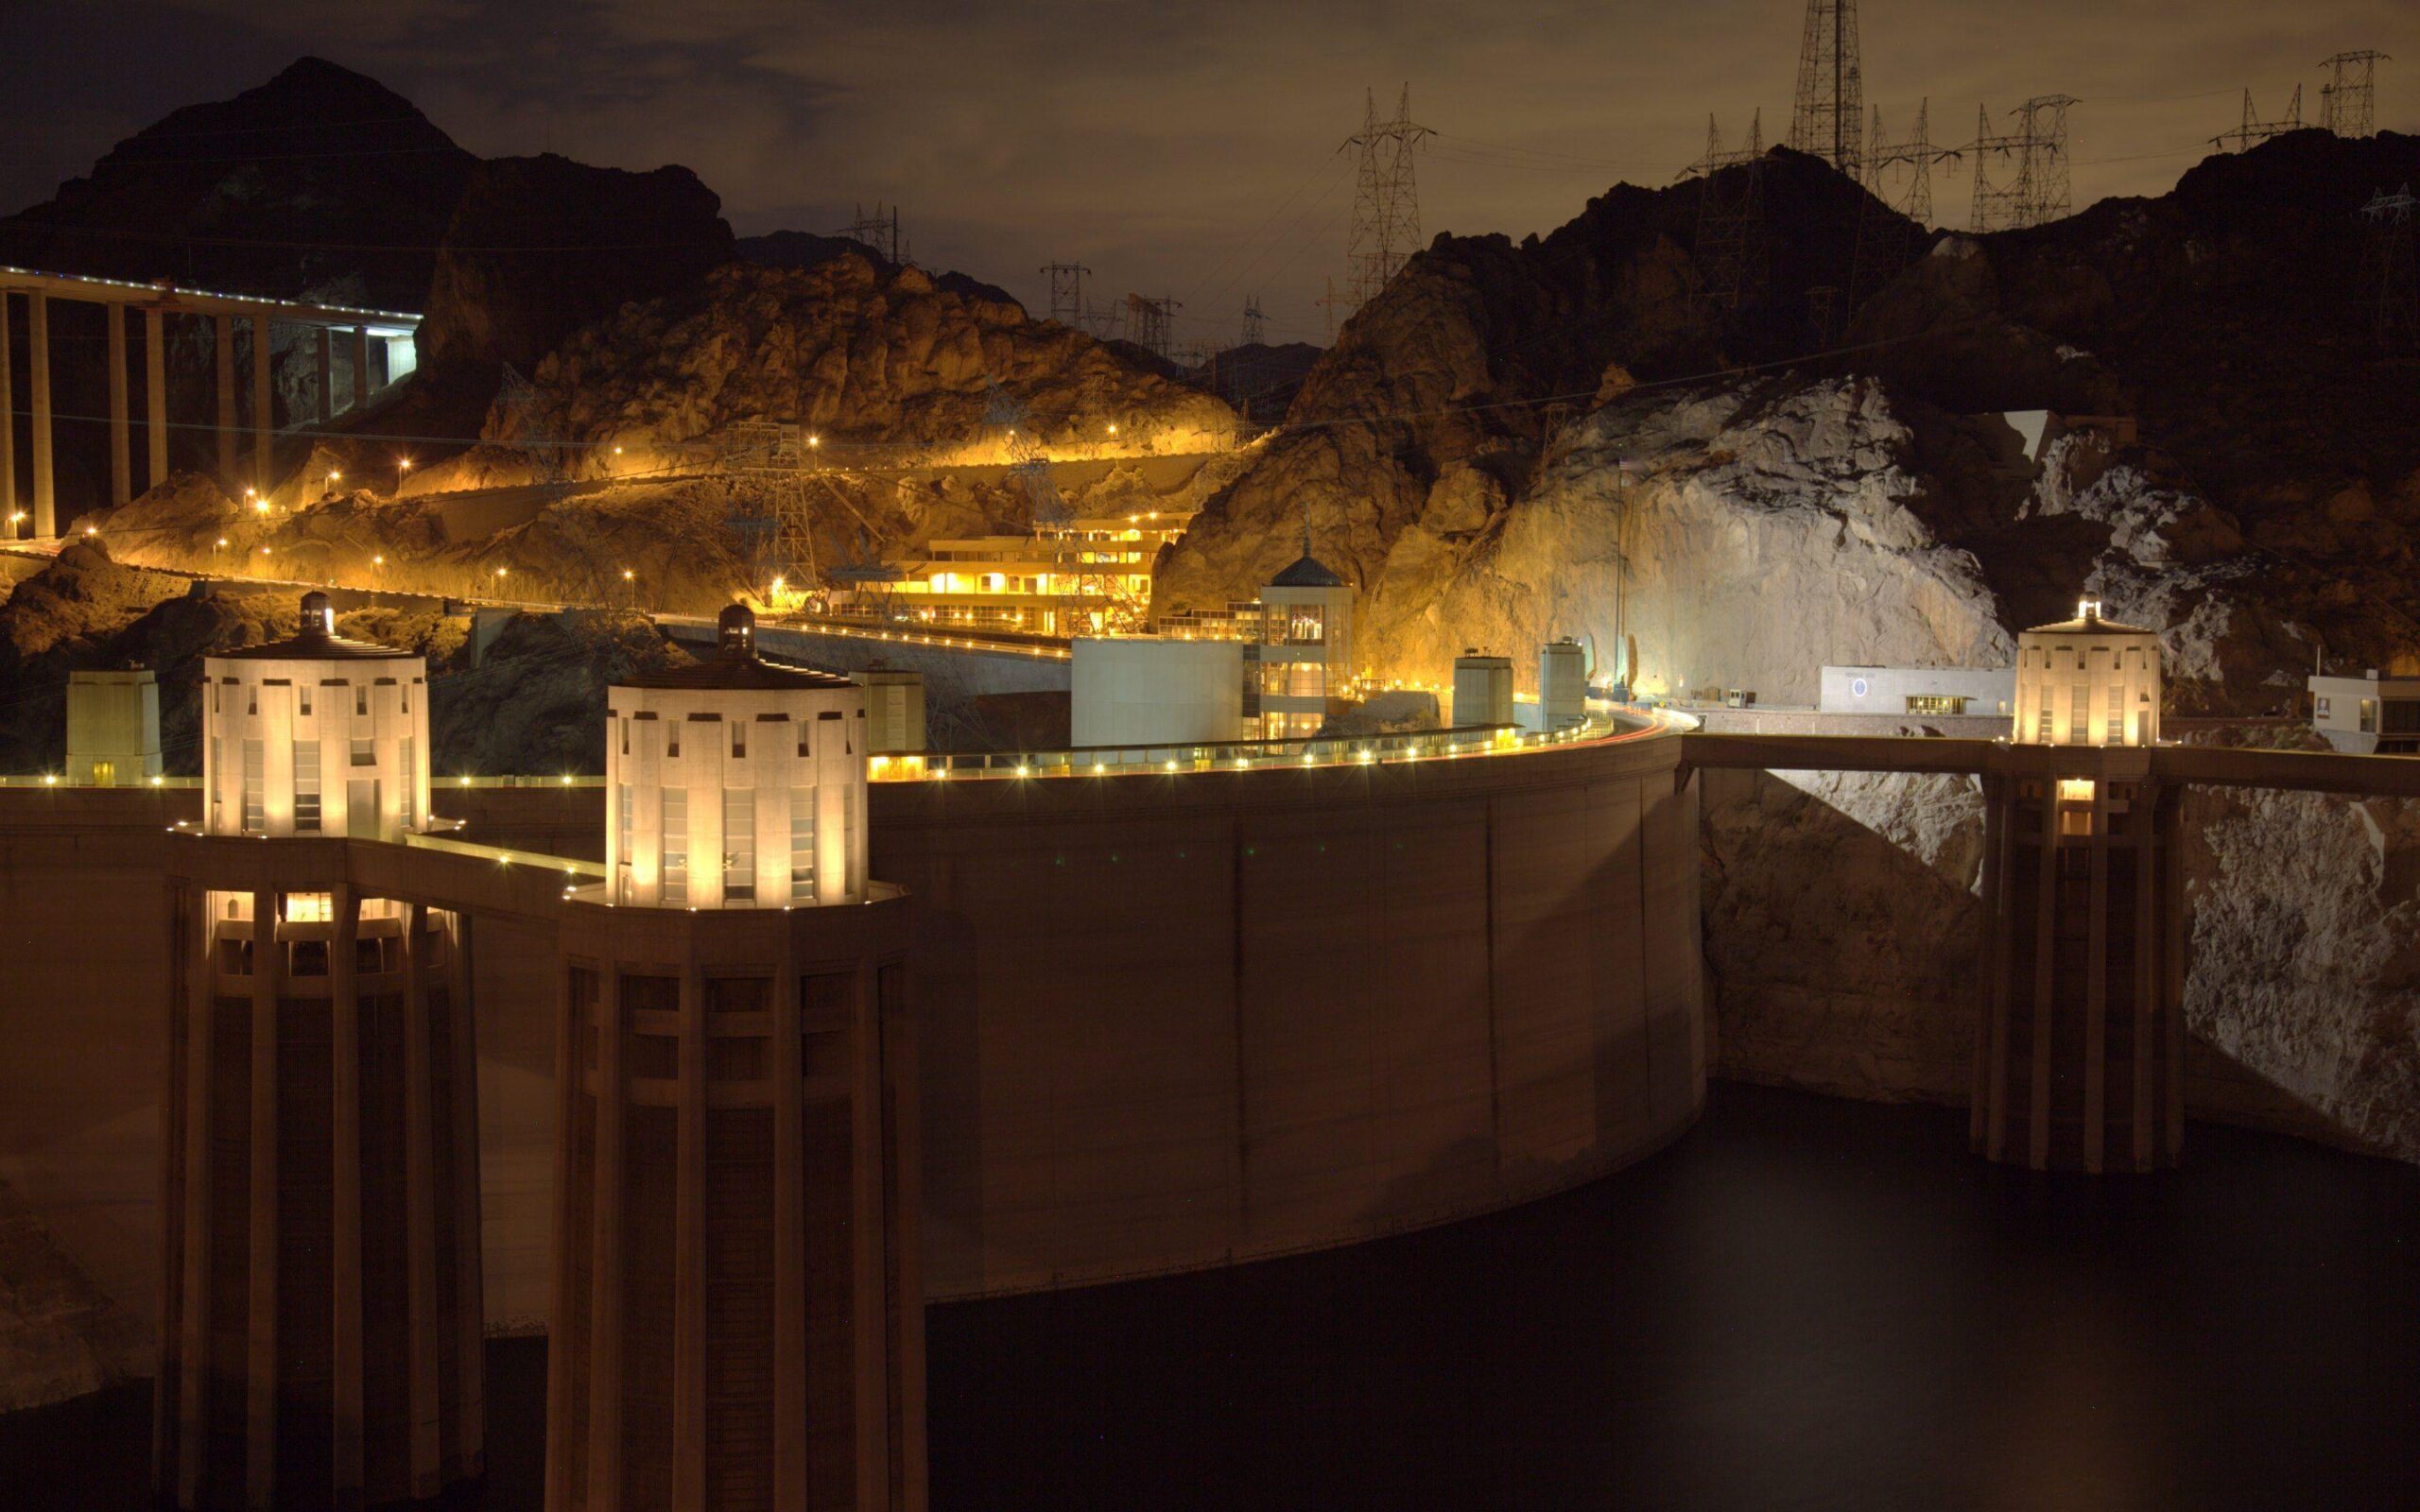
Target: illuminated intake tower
[
  {"x": 2080, "y": 1052},
  {"x": 738, "y": 1313},
  {"x": 321, "y": 1320}
]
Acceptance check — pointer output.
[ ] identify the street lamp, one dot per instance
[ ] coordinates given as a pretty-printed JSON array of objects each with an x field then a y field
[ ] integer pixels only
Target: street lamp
[
  {"x": 499, "y": 580},
  {"x": 630, "y": 584},
  {"x": 403, "y": 465}
]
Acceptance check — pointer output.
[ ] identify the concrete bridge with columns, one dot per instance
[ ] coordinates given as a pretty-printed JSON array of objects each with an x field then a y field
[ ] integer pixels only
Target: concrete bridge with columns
[{"x": 386, "y": 335}]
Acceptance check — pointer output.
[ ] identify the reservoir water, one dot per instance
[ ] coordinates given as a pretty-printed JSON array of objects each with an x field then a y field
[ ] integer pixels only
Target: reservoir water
[{"x": 1805, "y": 1303}]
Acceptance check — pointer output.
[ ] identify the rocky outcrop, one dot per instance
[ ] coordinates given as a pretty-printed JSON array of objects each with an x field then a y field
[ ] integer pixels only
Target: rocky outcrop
[
  {"x": 1458, "y": 450},
  {"x": 536, "y": 248},
  {"x": 60, "y": 1335},
  {"x": 886, "y": 368},
  {"x": 1843, "y": 912}
]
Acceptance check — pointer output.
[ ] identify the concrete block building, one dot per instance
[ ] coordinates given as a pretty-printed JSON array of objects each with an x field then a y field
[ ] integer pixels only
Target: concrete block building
[
  {"x": 2081, "y": 1048},
  {"x": 113, "y": 728},
  {"x": 738, "y": 1302},
  {"x": 1917, "y": 692},
  {"x": 2367, "y": 716},
  {"x": 322, "y": 1321}
]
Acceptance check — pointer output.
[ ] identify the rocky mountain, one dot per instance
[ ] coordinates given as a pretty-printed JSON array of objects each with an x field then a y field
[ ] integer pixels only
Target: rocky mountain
[
  {"x": 881, "y": 363},
  {"x": 1483, "y": 435},
  {"x": 324, "y": 184}
]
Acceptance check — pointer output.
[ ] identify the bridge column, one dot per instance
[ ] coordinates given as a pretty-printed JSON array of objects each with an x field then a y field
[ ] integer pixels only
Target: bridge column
[
  {"x": 264, "y": 410},
  {"x": 121, "y": 457},
  {"x": 155, "y": 388},
  {"x": 225, "y": 331},
  {"x": 361, "y": 366},
  {"x": 38, "y": 364},
  {"x": 8, "y": 429},
  {"x": 327, "y": 375}
]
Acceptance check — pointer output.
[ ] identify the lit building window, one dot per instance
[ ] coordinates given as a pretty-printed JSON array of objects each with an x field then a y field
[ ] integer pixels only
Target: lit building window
[
  {"x": 303, "y": 693},
  {"x": 309, "y": 908},
  {"x": 361, "y": 701},
  {"x": 676, "y": 845},
  {"x": 254, "y": 819},
  {"x": 306, "y": 786},
  {"x": 1934, "y": 703},
  {"x": 739, "y": 842},
  {"x": 801, "y": 839},
  {"x": 364, "y": 752}
]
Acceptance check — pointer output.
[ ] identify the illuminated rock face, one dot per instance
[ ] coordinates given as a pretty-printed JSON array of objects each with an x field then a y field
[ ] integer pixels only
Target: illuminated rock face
[
  {"x": 315, "y": 735},
  {"x": 736, "y": 784}
]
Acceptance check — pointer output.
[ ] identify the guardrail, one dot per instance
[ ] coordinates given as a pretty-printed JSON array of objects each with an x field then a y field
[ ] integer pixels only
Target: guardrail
[
  {"x": 1234, "y": 755},
  {"x": 505, "y": 855}
]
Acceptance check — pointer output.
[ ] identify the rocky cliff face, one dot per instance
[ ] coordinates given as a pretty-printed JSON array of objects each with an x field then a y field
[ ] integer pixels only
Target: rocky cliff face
[
  {"x": 884, "y": 365},
  {"x": 536, "y": 248},
  {"x": 1475, "y": 446},
  {"x": 1842, "y": 913}
]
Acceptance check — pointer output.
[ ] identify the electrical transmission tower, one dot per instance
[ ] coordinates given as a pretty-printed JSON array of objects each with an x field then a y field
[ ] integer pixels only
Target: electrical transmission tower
[
  {"x": 2038, "y": 192},
  {"x": 879, "y": 234},
  {"x": 1731, "y": 216},
  {"x": 2256, "y": 129},
  {"x": 1252, "y": 321},
  {"x": 1385, "y": 200},
  {"x": 2348, "y": 101},
  {"x": 1067, "y": 293},
  {"x": 1897, "y": 215},
  {"x": 1830, "y": 94},
  {"x": 2390, "y": 285},
  {"x": 1149, "y": 323},
  {"x": 518, "y": 407},
  {"x": 1029, "y": 461}
]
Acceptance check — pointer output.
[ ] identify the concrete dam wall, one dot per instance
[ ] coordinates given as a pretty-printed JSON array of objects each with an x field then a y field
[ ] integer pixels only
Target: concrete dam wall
[{"x": 1165, "y": 1022}]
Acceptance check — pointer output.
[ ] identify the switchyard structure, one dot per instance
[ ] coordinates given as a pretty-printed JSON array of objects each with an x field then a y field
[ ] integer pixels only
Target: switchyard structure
[
  {"x": 1895, "y": 218},
  {"x": 2349, "y": 102},
  {"x": 2037, "y": 190},
  {"x": 1385, "y": 199},
  {"x": 1732, "y": 253},
  {"x": 2389, "y": 287},
  {"x": 1151, "y": 323},
  {"x": 1830, "y": 101},
  {"x": 878, "y": 233},
  {"x": 1067, "y": 293},
  {"x": 2256, "y": 129}
]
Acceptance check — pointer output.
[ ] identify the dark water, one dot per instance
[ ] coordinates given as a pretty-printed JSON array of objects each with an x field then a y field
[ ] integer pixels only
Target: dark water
[{"x": 1804, "y": 1304}]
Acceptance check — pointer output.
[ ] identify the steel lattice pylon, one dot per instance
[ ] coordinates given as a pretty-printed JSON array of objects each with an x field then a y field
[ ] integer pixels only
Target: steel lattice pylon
[
  {"x": 1151, "y": 323},
  {"x": 1897, "y": 215},
  {"x": 1730, "y": 217},
  {"x": 2390, "y": 282},
  {"x": 2256, "y": 129},
  {"x": 1385, "y": 200},
  {"x": 1067, "y": 293},
  {"x": 2349, "y": 102},
  {"x": 2039, "y": 192},
  {"x": 1831, "y": 93}
]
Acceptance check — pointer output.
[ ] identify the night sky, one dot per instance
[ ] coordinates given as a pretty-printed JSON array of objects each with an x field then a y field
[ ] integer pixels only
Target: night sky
[{"x": 1175, "y": 147}]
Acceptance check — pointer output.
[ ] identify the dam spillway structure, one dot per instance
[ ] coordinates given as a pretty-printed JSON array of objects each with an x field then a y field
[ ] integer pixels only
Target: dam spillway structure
[
  {"x": 738, "y": 1313},
  {"x": 2080, "y": 1052},
  {"x": 322, "y": 1321}
]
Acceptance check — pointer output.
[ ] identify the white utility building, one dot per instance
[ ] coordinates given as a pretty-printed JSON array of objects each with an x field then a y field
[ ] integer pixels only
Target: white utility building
[
  {"x": 1306, "y": 648},
  {"x": 1562, "y": 684},
  {"x": 1482, "y": 689},
  {"x": 1919, "y": 691},
  {"x": 315, "y": 734},
  {"x": 2369, "y": 715},
  {"x": 1151, "y": 692},
  {"x": 736, "y": 784},
  {"x": 2088, "y": 682},
  {"x": 113, "y": 728}
]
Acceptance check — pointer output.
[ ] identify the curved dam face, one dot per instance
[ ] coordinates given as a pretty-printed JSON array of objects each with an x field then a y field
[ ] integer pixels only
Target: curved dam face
[
  {"x": 1164, "y": 1022},
  {"x": 1170, "y": 1022}
]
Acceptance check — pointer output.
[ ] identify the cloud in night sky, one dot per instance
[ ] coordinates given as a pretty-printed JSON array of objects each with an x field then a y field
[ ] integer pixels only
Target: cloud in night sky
[{"x": 1175, "y": 147}]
